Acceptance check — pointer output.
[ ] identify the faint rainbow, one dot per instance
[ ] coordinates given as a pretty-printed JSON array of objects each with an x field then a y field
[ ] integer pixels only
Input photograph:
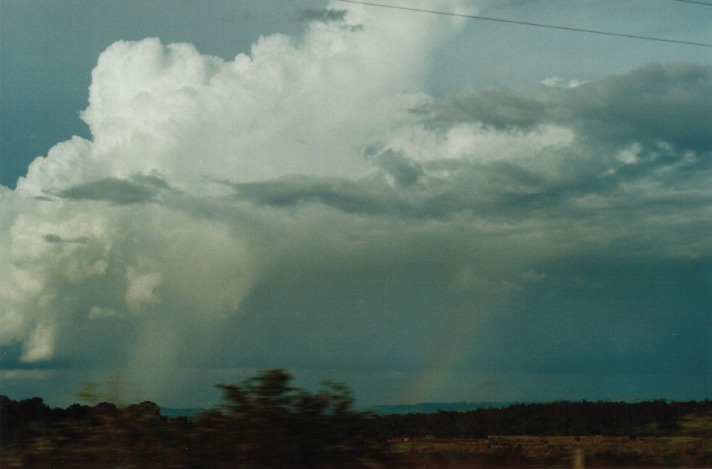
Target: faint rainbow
[{"x": 447, "y": 357}]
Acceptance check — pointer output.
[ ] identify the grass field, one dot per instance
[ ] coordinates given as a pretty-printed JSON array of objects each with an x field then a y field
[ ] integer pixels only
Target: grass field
[{"x": 556, "y": 451}]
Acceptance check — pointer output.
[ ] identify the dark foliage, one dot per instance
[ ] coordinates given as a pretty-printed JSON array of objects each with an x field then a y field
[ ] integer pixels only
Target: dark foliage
[
  {"x": 652, "y": 418},
  {"x": 264, "y": 422}
]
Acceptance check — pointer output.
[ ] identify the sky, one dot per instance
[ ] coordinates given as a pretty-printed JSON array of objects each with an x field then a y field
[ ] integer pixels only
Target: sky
[{"x": 425, "y": 207}]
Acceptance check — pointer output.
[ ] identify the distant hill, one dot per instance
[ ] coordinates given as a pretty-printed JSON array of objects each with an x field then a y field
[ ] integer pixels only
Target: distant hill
[
  {"x": 395, "y": 409},
  {"x": 431, "y": 407},
  {"x": 420, "y": 408},
  {"x": 186, "y": 412}
]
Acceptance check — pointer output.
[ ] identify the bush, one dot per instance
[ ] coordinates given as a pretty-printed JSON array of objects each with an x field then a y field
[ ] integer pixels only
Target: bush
[{"x": 263, "y": 422}]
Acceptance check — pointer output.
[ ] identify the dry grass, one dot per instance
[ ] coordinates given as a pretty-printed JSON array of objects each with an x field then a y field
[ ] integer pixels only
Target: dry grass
[{"x": 556, "y": 451}]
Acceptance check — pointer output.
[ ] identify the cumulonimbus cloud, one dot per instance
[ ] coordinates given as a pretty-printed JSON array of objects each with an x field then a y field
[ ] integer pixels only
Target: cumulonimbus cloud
[{"x": 313, "y": 175}]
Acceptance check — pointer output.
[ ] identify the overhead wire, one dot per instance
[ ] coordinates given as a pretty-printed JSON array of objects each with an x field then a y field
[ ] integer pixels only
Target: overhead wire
[
  {"x": 695, "y": 2},
  {"x": 529, "y": 23}
]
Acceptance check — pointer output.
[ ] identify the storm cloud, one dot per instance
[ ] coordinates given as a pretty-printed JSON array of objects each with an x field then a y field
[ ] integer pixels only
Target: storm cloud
[{"x": 306, "y": 206}]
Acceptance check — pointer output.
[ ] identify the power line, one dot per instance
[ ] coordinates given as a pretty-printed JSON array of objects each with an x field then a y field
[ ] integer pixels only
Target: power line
[
  {"x": 538, "y": 25},
  {"x": 696, "y": 2}
]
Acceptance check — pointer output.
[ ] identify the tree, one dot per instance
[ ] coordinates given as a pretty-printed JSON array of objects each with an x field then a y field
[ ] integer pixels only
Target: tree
[{"x": 267, "y": 422}]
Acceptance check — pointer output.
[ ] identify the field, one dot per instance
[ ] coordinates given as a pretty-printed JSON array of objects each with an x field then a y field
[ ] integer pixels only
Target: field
[{"x": 555, "y": 451}]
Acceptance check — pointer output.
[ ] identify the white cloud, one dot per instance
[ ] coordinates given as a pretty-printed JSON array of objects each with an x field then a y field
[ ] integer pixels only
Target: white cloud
[
  {"x": 307, "y": 197},
  {"x": 287, "y": 107},
  {"x": 25, "y": 375},
  {"x": 558, "y": 82},
  {"x": 631, "y": 154},
  {"x": 141, "y": 288},
  {"x": 97, "y": 312},
  {"x": 40, "y": 345},
  {"x": 478, "y": 142}
]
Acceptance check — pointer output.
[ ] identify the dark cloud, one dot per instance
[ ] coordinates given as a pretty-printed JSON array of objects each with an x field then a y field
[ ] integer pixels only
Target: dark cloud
[
  {"x": 136, "y": 190},
  {"x": 624, "y": 315},
  {"x": 56, "y": 239},
  {"x": 657, "y": 103},
  {"x": 650, "y": 127},
  {"x": 342, "y": 194},
  {"x": 326, "y": 15},
  {"x": 52, "y": 238},
  {"x": 669, "y": 103},
  {"x": 44, "y": 198},
  {"x": 404, "y": 171},
  {"x": 499, "y": 107}
]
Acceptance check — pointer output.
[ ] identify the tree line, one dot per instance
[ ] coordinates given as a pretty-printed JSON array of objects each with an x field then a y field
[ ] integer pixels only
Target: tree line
[
  {"x": 266, "y": 422},
  {"x": 263, "y": 422},
  {"x": 650, "y": 418}
]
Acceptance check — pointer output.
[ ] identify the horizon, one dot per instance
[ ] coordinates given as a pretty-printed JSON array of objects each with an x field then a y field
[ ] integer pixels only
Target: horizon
[
  {"x": 99, "y": 393},
  {"x": 423, "y": 206},
  {"x": 382, "y": 409}
]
